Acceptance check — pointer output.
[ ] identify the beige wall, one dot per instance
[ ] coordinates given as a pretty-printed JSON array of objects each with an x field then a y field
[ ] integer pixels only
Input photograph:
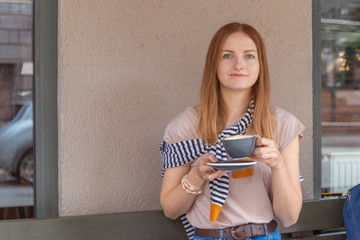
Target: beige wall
[{"x": 127, "y": 67}]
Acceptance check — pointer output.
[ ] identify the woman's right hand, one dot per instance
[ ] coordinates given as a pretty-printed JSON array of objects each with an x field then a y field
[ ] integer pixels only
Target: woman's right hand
[
  {"x": 173, "y": 198},
  {"x": 207, "y": 172}
]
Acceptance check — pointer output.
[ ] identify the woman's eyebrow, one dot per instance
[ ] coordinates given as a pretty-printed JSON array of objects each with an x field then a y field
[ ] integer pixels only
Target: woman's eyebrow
[
  {"x": 228, "y": 51},
  {"x": 231, "y": 51}
]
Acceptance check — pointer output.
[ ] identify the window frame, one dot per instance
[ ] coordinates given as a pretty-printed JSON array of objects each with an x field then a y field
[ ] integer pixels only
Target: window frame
[
  {"x": 316, "y": 41},
  {"x": 45, "y": 36},
  {"x": 45, "y": 57}
]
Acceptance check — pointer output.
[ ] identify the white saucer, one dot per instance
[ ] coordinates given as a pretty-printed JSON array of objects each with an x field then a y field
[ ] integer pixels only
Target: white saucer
[{"x": 232, "y": 165}]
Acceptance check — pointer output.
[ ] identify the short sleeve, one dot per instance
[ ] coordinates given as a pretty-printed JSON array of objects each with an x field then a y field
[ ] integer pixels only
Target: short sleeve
[
  {"x": 287, "y": 127},
  {"x": 182, "y": 127}
]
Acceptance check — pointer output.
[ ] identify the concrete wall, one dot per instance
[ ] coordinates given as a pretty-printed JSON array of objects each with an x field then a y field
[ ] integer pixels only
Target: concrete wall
[{"x": 127, "y": 67}]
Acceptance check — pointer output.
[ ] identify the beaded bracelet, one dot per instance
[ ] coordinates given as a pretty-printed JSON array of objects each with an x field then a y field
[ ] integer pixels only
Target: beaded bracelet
[{"x": 188, "y": 187}]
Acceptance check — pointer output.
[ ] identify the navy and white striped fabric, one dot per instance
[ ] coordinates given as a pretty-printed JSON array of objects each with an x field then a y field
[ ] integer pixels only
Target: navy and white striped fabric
[{"x": 184, "y": 152}]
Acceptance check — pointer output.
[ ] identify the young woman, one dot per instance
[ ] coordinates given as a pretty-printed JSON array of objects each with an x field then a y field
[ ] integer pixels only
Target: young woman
[{"x": 234, "y": 99}]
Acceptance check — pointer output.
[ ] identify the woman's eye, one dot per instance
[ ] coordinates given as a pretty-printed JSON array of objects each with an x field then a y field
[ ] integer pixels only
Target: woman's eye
[
  {"x": 249, "y": 56},
  {"x": 227, "y": 56}
]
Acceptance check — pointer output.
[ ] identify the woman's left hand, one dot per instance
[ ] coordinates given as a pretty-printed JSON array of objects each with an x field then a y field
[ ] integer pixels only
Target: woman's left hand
[{"x": 267, "y": 152}]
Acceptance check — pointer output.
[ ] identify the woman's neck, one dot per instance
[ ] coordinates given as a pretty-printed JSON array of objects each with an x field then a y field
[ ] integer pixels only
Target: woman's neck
[{"x": 237, "y": 104}]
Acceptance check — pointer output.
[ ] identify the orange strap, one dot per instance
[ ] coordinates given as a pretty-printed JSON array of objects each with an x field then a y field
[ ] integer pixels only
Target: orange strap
[
  {"x": 243, "y": 173},
  {"x": 214, "y": 211},
  {"x": 214, "y": 208}
]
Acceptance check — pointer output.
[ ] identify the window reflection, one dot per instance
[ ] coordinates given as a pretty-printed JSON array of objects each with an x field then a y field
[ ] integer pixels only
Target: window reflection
[
  {"x": 16, "y": 110},
  {"x": 340, "y": 55}
]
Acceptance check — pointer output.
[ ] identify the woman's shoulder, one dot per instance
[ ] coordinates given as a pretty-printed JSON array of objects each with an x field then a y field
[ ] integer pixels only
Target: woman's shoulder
[
  {"x": 288, "y": 126},
  {"x": 184, "y": 119},
  {"x": 283, "y": 115},
  {"x": 182, "y": 126}
]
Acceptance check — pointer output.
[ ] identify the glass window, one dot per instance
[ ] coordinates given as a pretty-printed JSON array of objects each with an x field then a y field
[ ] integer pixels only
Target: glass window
[
  {"x": 340, "y": 96},
  {"x": 16, "y": 110}
]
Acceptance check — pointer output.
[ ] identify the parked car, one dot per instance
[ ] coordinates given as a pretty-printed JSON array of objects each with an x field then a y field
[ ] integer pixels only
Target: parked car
[{"x": 16, "y": 143}]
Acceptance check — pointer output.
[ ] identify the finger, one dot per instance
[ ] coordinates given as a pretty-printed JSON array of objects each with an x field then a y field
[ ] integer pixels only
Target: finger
[
  {"x": 266, "y": 157},
  {"x": 216, "y": 174},
  {"x": 262, "y": 142},
  {"x": 265, "y": 142},
  {"x": 207, "y": 169},
  {"x": 212, "y": 158},
  {"x": 262, "y": 150},
  {"x": 258, "y": 142},
  {"x": 209, "y": 158}
]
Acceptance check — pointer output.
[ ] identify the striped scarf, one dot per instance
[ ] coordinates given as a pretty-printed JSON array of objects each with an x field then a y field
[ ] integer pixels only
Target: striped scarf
[{"x": 184, "y": 152}]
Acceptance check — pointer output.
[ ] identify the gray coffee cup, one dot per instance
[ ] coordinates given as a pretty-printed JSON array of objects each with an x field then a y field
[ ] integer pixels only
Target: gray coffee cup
[{"x": 240, "y": 146}]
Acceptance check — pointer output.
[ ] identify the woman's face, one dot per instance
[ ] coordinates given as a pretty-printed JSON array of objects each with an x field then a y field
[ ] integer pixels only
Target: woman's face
[{"x": 239, "y": 66}]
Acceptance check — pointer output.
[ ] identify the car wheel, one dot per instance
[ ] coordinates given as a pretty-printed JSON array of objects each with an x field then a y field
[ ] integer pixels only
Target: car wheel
[{"x": 26, "y": 168}]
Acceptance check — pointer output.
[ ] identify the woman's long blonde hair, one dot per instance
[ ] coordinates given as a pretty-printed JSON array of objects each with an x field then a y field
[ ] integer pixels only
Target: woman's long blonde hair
[{"x": 212, "y": 109}]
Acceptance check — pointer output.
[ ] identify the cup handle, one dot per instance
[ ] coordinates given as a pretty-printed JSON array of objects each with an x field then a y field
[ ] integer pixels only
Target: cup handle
[{"x": 255, "y": 147}]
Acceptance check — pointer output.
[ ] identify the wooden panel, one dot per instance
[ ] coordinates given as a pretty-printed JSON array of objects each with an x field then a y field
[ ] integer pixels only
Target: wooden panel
[
  {"x": 318, "y": 215},
  {"x": 321, "y": 219},
  {"x": 144, "y": 225},
  {"x": 322, "y": 237},
  {"x": 318, "y": 220}
]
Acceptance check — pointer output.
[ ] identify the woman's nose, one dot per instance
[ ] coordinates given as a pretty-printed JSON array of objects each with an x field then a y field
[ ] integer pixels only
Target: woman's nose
[{"x": 240, "y": 63}]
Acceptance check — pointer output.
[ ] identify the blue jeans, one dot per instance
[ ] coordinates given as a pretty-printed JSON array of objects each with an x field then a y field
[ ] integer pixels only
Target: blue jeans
[{"x": 271, "y": 236}]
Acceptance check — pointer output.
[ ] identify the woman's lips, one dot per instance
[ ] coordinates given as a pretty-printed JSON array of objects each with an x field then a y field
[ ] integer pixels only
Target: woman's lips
[{"x": 238, "y": 75}]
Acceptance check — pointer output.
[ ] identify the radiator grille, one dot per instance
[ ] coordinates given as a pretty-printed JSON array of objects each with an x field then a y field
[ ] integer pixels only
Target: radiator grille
[{"x": 345, "y": 171}]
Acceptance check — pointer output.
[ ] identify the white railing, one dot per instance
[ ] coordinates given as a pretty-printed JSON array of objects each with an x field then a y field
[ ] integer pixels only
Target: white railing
[{"x": 341, "y": 171}]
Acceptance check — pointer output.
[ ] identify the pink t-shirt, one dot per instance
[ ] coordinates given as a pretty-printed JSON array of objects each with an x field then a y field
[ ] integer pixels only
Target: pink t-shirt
[{"x": 249, "y": 198}]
